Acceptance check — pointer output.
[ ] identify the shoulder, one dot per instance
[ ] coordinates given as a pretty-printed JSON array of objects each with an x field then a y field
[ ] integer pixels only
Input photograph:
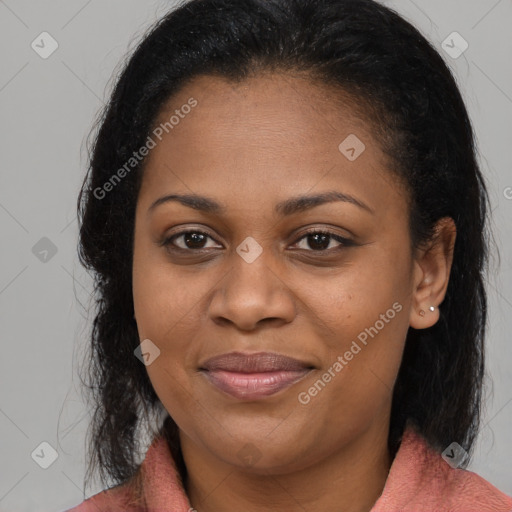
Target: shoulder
[
  {"x": 116, "y": 499},
  {"x": 155, "y": 482},
  {"x": 465, "y": 490},
  {"x": 421, "y": 480}
]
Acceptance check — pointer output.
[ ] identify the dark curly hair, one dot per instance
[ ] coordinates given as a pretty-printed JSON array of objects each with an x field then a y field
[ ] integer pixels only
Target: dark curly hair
[{"x": 402, "y": 87}]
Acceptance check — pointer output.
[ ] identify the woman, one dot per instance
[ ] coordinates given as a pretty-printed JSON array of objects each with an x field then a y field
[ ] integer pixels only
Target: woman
[{"x": 286, "y": 222}]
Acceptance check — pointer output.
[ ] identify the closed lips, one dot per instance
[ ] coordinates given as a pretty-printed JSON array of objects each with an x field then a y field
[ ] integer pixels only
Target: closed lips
[
  {"x": 254, "y": 363},
  {"x": 252, "y": 377}
]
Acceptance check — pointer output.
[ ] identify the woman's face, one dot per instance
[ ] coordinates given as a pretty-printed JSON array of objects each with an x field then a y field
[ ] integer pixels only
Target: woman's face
[{"x": 250, "y": 280}]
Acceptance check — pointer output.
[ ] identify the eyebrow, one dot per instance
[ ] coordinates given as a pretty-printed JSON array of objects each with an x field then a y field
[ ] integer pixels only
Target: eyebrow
[{"x": 284, "y": 208}]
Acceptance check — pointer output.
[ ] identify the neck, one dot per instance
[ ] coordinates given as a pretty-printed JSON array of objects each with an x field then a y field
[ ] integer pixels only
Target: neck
[{"x": 350, "y": 480}]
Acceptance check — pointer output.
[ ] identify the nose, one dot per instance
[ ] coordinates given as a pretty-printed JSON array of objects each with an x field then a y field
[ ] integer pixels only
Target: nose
[{"x": 251, "y": 294}]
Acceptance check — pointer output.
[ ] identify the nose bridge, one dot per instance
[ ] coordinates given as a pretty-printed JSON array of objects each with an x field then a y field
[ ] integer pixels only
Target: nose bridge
[
  {"x": 252, "y": 268},
  {"x": 251, "y": 290}
]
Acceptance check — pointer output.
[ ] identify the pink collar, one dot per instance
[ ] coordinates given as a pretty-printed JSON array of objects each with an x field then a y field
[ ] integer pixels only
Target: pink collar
[{"x": 419, "y": 480}]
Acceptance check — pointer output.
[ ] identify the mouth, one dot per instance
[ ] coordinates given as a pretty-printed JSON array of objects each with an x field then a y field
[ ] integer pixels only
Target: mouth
[{"x": 253, "y": 376}]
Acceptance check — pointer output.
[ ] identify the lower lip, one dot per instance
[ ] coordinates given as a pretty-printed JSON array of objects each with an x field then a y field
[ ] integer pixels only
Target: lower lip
[{"x": 251, "y": 386}]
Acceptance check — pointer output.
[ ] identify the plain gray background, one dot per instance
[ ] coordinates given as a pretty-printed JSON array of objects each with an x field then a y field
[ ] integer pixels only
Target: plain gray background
[{"x": 47, "y": 109}]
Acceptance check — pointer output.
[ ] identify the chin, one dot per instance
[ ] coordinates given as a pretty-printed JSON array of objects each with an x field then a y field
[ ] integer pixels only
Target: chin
[{"x": 252, "y": 451}]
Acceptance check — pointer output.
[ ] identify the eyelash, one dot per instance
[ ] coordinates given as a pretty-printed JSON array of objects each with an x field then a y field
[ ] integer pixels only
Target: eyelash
[{"x": 345, "y": 242}]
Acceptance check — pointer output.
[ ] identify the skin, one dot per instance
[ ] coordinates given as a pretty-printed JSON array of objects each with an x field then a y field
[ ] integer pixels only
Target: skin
[{"x": 250, "y": 146}]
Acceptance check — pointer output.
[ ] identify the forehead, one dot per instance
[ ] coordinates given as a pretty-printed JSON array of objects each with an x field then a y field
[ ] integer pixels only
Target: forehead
[{"x": 271, "y": 132}]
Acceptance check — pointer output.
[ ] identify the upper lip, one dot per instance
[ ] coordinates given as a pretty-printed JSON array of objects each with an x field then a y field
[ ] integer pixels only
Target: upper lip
[{"x": 253, "y": 363}]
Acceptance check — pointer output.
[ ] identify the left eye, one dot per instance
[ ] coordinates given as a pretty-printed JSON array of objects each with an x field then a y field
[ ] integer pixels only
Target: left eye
[{"x": 318, "y": 241}]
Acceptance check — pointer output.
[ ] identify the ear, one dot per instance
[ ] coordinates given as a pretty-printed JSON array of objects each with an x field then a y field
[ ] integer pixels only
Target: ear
[{"x": 432, "y": 265}]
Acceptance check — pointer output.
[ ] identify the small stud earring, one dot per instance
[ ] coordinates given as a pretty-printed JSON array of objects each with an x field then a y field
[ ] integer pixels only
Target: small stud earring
[{"x": 422, "y": 313}]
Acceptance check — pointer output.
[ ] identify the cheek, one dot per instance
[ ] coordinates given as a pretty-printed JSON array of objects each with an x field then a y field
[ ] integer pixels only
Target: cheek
[
  {"x": 348, "y": 302},
  {"x": 361, "y": 316},
  {"x": 170, "y": 384},
  {"x": 167, "y": 309},
  {"x": 166, "y": 297}
]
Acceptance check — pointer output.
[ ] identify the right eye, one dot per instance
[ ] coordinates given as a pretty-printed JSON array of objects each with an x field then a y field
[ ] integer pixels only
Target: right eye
[{"x": 192, "y": 240}]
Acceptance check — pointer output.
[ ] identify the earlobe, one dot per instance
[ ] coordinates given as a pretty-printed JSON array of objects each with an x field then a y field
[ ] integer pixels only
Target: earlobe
[
  {"x": 422, "y": 313},
  {"x": 422, "y": 320}
]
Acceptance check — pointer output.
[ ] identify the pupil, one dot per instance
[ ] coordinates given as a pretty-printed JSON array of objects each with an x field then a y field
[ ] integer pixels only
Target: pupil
[
  {"x": 194, "y": 238},
  {"x": 316, "y": 237}
]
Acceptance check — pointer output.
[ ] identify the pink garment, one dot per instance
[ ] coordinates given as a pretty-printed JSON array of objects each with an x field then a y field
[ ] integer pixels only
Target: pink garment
[{"x": 419, "y": 480}]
